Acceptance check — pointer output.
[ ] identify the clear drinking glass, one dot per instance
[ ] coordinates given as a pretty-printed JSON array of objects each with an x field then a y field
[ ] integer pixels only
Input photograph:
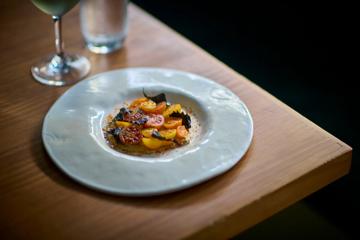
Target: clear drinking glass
[
  {"x": 59, "y": 69},
  {"x": 103, "y": 24}
]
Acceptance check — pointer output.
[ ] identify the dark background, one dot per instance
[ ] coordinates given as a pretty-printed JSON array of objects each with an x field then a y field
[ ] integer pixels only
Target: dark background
[{"x": 305, "y": 55}]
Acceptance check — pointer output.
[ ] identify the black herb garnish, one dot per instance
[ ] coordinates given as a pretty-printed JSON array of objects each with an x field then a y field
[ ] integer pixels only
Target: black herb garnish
[
  {"x": 157, "y": 99},
  {"x": 115, "y": 132},
  {"x": 185, "y": 117},
  {"x": 156, "y": 134},
  {"x": 121, "y": 114},
  {"x": 141, "y": 121}
]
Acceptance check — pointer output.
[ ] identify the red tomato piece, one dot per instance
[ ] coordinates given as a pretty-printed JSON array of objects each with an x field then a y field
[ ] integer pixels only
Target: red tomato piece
[{"x": 155, "y": 121}]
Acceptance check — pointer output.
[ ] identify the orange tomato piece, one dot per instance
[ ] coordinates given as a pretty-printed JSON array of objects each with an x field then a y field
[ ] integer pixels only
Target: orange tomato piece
[
  {"x": 172, "y": 123},
  {"x": 152, "y": 107},
  {"x": 181, "y": 132},
  {"x": 159, "y": 108}
]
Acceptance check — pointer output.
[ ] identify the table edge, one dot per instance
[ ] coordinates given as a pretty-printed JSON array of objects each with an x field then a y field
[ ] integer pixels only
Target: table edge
[{"x": 233, "y": 224}]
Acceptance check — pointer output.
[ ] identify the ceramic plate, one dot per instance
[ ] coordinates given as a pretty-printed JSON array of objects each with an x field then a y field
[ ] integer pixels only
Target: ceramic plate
[{"x": 73, "y": 137}]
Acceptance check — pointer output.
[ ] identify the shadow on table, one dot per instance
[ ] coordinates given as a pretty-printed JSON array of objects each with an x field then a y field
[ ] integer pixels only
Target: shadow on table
[{"x": 299, "y": 221}]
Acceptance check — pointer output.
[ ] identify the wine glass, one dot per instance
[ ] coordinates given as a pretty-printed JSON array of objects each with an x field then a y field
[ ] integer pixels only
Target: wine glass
[{"x": 59, "y": 69}]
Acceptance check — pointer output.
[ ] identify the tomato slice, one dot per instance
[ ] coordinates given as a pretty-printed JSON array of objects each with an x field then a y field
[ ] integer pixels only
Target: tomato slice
[
  {"x": 137, "y": 102},
  {"x": 173, "y": 123},
  {"x": 122, "y": 124},
  {"x": 147, "y": 132},
  {"x": 173, "y": 108},
  {"x": 151, "y": 107},
  {"x": 155, "y": 121},
  {"x": 159, "y": 108},
  {"x": 168, "y": 134},
  {"x": 153, "y": 143},
  {"x": 148, "y": 106},
  {"x": 181, "y": 132}
]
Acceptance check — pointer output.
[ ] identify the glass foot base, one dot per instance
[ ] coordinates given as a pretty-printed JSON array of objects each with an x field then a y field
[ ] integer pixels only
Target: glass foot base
[{"x": 57, "y": 71}]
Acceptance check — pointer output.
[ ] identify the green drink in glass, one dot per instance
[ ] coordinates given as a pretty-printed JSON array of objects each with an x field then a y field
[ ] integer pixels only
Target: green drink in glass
[
  {"x": 59, "y": 69},
  {"x": 55, "y": 7}
]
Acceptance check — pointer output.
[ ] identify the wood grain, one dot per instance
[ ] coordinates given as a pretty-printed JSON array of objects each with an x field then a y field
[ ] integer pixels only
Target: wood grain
[{"x": 289, "y": 158}]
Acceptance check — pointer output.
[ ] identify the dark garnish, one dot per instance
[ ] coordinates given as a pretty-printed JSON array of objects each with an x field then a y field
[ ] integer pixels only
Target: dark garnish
[
  {"x": 121, "y": 114},
  {"x": 115, "y": 132},
  {"x": 181, "y": 141},
  {"x": 156, "y": 134},
  {"x": 157, "y": 99},
  {"x": 141, "y": 121},
  {"x": 185, "y": 117}
]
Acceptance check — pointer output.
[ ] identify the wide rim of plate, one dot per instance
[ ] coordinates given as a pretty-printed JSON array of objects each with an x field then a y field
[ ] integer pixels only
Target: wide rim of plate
[{"x": 196, "y": 167}]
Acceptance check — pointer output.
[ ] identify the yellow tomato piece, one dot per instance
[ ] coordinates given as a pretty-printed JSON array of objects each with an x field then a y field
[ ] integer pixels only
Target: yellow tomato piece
[
  {"x": 147, "y": 132},
  {"x": 148, "y": 106},
  {"x": 171, "y": 109},
  {"x": 152, "y": 143},
  {"x": 168, "y": 134},
  {"x": 137, "y": 102},
  {"x": 122, "y": 124}
]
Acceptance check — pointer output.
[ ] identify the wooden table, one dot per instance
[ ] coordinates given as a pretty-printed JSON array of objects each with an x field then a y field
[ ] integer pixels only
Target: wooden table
[{"x": 290, "y": 157}]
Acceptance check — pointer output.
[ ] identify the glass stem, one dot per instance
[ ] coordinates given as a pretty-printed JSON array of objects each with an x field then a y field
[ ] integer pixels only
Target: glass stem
[
  {"x": 58, "y": 61},
  {"x": 58, "y": 36}
]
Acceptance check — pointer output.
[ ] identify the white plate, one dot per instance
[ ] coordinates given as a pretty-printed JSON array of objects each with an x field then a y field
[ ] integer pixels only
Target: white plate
[{"x": 73, "y": 137}]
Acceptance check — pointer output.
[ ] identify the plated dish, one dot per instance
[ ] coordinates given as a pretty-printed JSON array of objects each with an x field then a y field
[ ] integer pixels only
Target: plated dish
[
  {"x": 75, "y": 128},
  {"x": 149, "y": 124}
]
